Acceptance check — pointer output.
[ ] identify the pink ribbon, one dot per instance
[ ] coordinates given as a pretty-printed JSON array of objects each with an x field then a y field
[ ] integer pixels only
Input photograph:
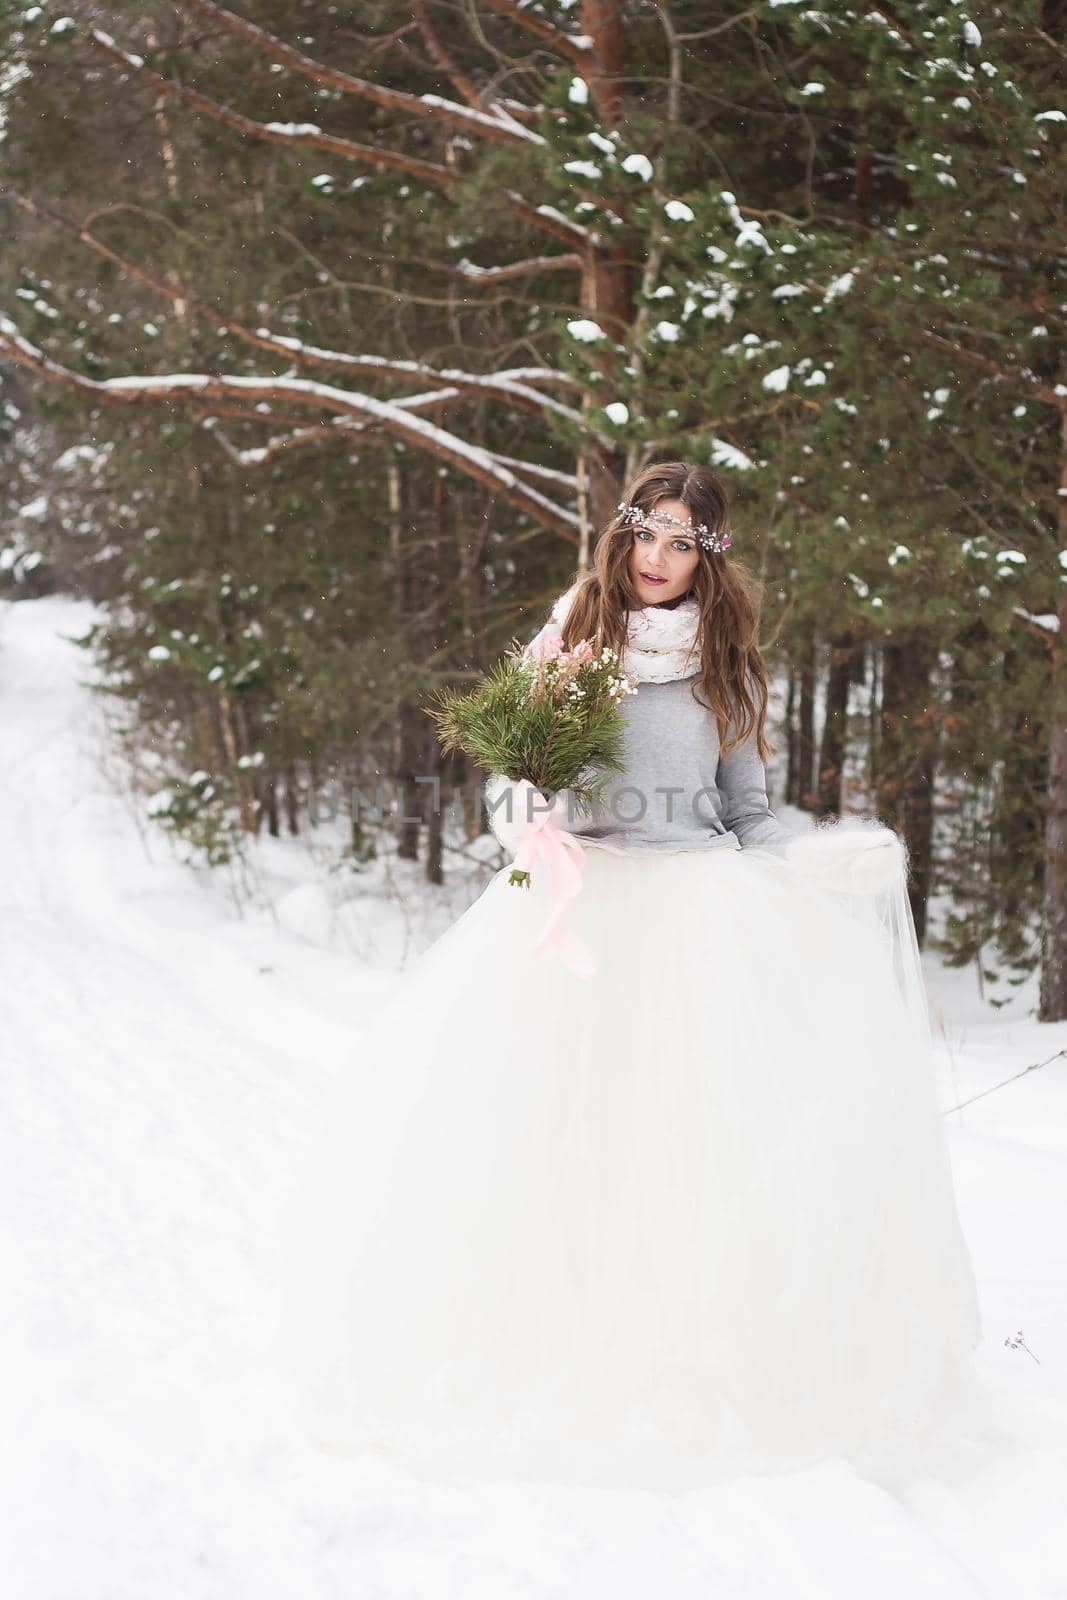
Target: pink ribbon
[{"x": 543, "y": 846}]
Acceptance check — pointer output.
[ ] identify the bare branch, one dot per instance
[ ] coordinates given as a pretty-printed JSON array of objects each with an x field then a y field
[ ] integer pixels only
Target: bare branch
[
  {"x": 721, "y": 27},
  {"x": 471, "y": 273},
  {"x": 337, "y": 428},
  {"x": 344, "y": 429},
  {"x": 263, "y": 413},
  {"x": 261, "y": 455},
  {"x": 552, "y": 221},
  {"x": 571, "y": 46},
  {"x": 1017, "y": 375},
  {"x": 301, "y": 135},
  {"x": 295, "y": 135},
  {"x": 563, "y": 480},
  {"x": 434, "y": 44},
  {"x": 483, "y": 124}
]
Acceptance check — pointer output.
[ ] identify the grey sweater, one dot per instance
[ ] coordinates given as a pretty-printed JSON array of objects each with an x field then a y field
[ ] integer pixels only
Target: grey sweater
[{"x": 677, "y": 791}]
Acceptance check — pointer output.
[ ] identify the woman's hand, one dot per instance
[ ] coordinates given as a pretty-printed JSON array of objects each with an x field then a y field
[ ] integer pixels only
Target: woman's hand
[
  {"x": 510, "y": 809},
  {"x": 853, "y": 856}
]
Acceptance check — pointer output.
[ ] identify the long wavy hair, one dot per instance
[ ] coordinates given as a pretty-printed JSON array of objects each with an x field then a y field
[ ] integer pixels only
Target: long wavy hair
[{"x": 733, "y": 676}]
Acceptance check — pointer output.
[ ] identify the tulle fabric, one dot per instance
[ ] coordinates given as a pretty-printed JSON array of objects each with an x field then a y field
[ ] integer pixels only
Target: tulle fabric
[{"x": 688, "y": 1217}]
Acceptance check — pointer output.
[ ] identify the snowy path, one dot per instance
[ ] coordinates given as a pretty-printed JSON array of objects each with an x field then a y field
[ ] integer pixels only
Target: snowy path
[{"x": 161, "y": 1061}]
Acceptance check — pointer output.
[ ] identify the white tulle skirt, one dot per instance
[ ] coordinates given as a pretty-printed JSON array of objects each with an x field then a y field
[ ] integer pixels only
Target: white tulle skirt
[{"x": 687, "y": 1217}]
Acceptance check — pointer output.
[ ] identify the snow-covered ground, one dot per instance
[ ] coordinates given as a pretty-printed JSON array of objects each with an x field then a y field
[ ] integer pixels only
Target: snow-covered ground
[{"x": 166, "y": 1035}]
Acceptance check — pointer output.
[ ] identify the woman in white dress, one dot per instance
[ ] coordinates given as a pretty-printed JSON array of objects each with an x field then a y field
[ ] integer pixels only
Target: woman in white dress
[{"x": 686, "y": 1212}]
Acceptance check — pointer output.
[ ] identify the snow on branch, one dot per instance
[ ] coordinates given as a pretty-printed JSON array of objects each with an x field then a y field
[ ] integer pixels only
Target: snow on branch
[
  {"x": 498, "y": 385},
  {"x": 510, "y": 387},
  {"x": 576, "y": 47},
  {"x": 480, "y": 123},
  {"x": 551, "y": 220},
  {"x": 344, "y": 429},
  {"x": 552, "y": 376},
  {"x": 297, "y": 135},
  {"x": 507, "y": 110},
  {"x": 1047, "y": 625},
  {"x": 533, "y": 469},
  {"x": 452, "y": 71},
  {"x": 337, "y": 428},
  {"x": 261, "y": 455},
  {"x": 197, "y": 387},
  {"x": 470, "y": 272}
]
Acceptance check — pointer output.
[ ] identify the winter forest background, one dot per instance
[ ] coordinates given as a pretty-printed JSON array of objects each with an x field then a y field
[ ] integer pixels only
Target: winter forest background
[{"x": 328, "y": 337}]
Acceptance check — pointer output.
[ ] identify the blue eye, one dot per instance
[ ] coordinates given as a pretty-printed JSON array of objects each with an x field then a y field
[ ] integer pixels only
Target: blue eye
[{"x": 679, "y": 544}]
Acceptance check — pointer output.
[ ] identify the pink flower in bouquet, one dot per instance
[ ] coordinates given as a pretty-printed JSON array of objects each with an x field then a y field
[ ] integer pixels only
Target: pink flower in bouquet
[
  {"x": 547, "y": 646},
  {"x": 583, "y": 651}
]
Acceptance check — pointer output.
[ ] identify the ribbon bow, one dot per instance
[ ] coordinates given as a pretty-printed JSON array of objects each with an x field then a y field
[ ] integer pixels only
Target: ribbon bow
[{"x": 541, "y": 842}]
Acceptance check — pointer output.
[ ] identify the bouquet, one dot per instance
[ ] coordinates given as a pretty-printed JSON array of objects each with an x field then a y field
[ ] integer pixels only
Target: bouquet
[{"x": 545, "y": 719}]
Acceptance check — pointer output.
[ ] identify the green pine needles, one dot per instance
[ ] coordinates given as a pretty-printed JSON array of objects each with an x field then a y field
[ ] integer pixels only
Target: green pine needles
[{"x": 552, "y": 717}]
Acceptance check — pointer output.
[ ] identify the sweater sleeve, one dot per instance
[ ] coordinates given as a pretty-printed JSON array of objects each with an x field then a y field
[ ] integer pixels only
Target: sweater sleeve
[
  {"x": 741, "y": 779},
  {"x": 542, "y": 633}
]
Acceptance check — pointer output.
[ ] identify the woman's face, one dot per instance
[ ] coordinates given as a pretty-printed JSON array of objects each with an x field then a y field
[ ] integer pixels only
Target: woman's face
[{"x": 663, "y": 557}]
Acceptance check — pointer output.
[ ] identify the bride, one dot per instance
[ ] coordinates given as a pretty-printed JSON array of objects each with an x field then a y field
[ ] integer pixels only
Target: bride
[{"x": 679, "y": 1210}]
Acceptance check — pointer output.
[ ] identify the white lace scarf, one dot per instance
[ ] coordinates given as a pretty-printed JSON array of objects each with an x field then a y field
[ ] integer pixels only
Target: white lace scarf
[{"x": 661, "y": 640}]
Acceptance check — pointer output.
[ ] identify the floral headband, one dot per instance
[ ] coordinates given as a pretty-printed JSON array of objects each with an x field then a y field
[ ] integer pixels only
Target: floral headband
[{"x": 667, "y": 522}]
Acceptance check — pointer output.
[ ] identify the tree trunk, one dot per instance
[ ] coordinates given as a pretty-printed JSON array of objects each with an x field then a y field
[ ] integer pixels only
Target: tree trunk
[
  {"x": 269, "y": 805},
  {"x": 873, "y": 713},
  {"x": 606, "y": 288},
  {"x": 791, "y": 773},
  {"x": 246, "y": 805},
  {"x": 918, "y": 808},
  {"x": 1053, "y": 1001},
  {"x": 406, "y": 742},
  {"x": 907, "y": 759},
  {"x": 408, "y": 763},
  {"x": 835, "y": 726},
  {"x": 435, "y": 827},
  {"x": 292, "y": 800},
  {"x": 806, "y": 729},
  {"x": 473, "y": 579},
  {"x": 437, "y": 636}
]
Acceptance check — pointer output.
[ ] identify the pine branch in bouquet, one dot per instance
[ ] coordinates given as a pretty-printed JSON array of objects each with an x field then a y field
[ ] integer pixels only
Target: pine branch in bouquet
[{"x": 553, "y": 719}]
